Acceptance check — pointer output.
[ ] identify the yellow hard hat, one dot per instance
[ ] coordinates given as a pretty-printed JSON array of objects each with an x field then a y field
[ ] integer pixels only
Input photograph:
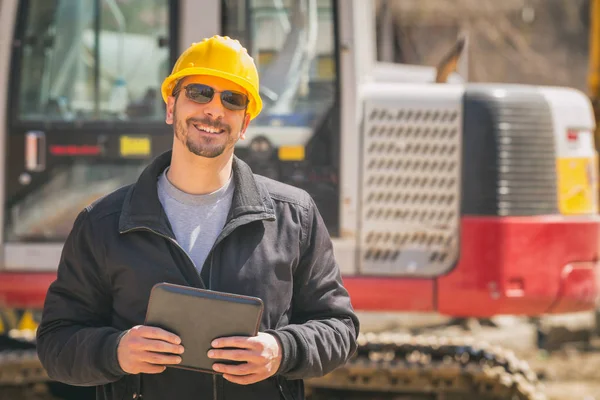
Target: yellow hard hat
[{"x": 218, "y": 56}]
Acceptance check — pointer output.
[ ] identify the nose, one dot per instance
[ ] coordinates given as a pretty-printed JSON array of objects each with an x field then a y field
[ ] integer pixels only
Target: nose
[{"x": 214, "y": 108}]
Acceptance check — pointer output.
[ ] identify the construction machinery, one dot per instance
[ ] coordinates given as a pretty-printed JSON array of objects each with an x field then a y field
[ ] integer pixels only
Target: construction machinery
[{"x": 442, "y": 197}]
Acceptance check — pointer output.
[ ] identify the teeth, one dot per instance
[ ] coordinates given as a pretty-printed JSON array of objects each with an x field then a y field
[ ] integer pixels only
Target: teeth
[{"x": 207, "y": 129}]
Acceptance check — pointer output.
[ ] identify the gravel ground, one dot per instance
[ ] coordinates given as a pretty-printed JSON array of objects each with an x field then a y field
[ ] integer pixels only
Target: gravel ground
[{"x": 569, "y": 374}]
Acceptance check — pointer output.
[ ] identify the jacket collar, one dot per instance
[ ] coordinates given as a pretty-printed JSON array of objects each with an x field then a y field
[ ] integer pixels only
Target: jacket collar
[{"x": 142, "y": 207}]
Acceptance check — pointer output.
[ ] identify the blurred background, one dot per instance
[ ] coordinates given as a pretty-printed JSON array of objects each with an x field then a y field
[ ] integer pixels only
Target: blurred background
[
  {"x": 450, "y": 146},
  {"x": 543, "y": 42}
]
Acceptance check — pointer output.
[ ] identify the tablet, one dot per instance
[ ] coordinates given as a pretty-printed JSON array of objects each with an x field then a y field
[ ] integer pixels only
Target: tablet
[{"x": 199, "y": 316}]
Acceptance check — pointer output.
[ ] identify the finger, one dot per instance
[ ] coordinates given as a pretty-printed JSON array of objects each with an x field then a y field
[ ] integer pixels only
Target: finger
[
  {"x": 160, "y": 346},
  {"x": 150, "y": 332},
  {"x": 158, "y": 358},
  {"x": 244, "y": 380},
  {"x": 239, "y": 370},
  {"x": 146, "y": 368},
  {"x": 234, "y": 355},
  {"x": 239, "y": 342}
]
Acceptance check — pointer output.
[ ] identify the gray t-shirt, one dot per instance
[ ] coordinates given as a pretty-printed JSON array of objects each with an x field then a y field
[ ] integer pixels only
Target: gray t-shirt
[{"x": 197, "y": 220}]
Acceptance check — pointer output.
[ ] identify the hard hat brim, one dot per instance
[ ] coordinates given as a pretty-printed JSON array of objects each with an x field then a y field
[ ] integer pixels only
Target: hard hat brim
[{"x": 254, "y": 106}]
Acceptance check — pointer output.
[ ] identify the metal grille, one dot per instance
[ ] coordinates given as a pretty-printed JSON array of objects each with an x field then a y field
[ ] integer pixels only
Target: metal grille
[
  {"x": 514, "y": 171},
  {"x": 526, "y": 158},
  {"x": 410, "y": 187}
]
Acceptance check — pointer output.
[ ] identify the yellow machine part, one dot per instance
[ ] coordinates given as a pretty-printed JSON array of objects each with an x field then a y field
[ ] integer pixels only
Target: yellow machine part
[
  {"x": 594, "y": 62},
  {"x": 291, "y": 153},
  {"x": 594, "y": 67},
  {"x": 27, "y": 322},
  {"x": 577, "y": 189},
  {"x": 15, "y": 320}
]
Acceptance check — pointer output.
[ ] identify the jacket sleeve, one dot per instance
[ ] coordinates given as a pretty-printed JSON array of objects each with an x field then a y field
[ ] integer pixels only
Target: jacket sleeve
[
  {"x": 323, "y": 329},
  {"x": 75, "y": 342}
]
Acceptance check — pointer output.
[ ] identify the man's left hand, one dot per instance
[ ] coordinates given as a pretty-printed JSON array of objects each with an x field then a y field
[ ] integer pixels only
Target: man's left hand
[{"x": 261, "y": 354}]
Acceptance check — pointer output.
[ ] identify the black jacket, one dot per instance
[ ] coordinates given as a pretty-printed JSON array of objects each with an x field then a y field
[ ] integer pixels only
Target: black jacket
[{"x": 274, "y": 246}]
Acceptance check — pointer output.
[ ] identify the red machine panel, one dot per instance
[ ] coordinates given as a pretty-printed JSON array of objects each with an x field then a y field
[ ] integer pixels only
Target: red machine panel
[{"x": 524, "y": 266}]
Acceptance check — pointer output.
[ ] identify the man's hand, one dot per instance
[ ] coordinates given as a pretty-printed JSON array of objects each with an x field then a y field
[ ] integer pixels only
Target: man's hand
[
  {"x": 261, "y": 353},
  {"x": 140, "y": 349}
]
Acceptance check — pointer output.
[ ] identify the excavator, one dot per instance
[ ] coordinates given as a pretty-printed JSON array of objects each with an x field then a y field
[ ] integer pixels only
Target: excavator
[{"x": 442, "y": 197}]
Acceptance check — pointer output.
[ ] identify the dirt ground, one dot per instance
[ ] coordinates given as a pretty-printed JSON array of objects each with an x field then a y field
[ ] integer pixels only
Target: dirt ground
[{"x": 568, "y": 374}]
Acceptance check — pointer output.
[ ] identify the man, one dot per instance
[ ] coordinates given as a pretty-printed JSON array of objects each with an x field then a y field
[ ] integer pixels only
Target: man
[{"x": 197, "y": 216}]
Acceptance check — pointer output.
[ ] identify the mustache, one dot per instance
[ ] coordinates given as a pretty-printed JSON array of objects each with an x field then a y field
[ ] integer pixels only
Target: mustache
[{"x": 209, "y": 122}]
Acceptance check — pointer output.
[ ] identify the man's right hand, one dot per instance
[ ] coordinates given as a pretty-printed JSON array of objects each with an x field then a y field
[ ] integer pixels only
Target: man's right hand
[{"x": 140, "y": 350}]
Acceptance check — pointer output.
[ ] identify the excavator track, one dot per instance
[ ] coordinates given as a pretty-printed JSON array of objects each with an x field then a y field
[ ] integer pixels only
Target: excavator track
[
  {"x": 19, "y": 363},
  {"x": 385, "y": 366},
  {"x": 22, "y": 376},
  {"x": 388, "y": 365},
  {"x": 20, "y": 367}
]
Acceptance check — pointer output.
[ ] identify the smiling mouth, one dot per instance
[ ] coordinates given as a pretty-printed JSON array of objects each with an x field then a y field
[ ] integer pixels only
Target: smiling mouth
[{"x": 208, "y": 129}]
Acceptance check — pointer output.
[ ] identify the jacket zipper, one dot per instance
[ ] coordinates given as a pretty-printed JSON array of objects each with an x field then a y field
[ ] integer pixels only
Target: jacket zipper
[
  {"x": 177, "y": 245},
  {"x": 227, "y": 229},
  {"x": 283, "y": 393},
  {"x": 172, "y": 240},
  {"x": 215, "y": 390}
]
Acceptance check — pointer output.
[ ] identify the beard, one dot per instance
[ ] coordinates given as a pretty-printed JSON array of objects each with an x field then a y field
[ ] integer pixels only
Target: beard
[{"x": 202, "y": 145}]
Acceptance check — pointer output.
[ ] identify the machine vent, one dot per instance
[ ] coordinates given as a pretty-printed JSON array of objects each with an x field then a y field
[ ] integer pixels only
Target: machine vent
[
  {"x": 510, "y": 152},
  {"x": 411, "y": 188}
]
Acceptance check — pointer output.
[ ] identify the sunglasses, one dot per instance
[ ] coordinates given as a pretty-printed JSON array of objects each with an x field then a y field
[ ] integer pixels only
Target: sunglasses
[{"x": 202, "y": 94}]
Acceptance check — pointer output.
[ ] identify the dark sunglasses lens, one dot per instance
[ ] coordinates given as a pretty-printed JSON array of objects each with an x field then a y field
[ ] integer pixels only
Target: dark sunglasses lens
[
  {"x": 233, "y": 100},
  {"x": 200, "y": 93}
]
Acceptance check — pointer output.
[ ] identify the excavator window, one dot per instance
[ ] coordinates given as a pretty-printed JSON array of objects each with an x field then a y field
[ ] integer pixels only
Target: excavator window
[
  {"x": 92, "y": 60},
  {"x": 295, "y": 137},
  {"x": 86, "y": 109}
]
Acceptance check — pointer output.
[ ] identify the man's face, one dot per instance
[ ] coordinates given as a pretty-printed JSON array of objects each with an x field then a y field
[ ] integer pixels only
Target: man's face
[{"x": 207, "y": 130}]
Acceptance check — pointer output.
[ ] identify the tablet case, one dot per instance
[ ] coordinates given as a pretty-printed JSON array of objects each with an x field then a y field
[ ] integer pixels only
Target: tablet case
[{"x": 199, "y": 316}]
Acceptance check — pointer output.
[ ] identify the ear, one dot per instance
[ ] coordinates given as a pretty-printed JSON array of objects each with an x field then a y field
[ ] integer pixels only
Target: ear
[
  {"x": 245, "y": 126},
  {"x": 170, "y": 108}
]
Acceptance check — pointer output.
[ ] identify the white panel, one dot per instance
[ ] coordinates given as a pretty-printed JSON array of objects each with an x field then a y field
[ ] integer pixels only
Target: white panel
[
  {"x": 574, "y": 126},
  {"x": 571, "y": 109},
  {"x": 271, "y": 36},
  {"x": 345, "y": 254},
  {"x": 356, "y": 32},
  {"x": 349, "y": 123},
  {"x": 411, "y": 179},
  {"x": 198, "y": 20},
  {"x": 8, "y": 12},
  {"x": 32, "y": 257},
  {"x": 278, "y": 136},
  {"x": 363, "y": 38},
  {"x": 406, "y": 73}
]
